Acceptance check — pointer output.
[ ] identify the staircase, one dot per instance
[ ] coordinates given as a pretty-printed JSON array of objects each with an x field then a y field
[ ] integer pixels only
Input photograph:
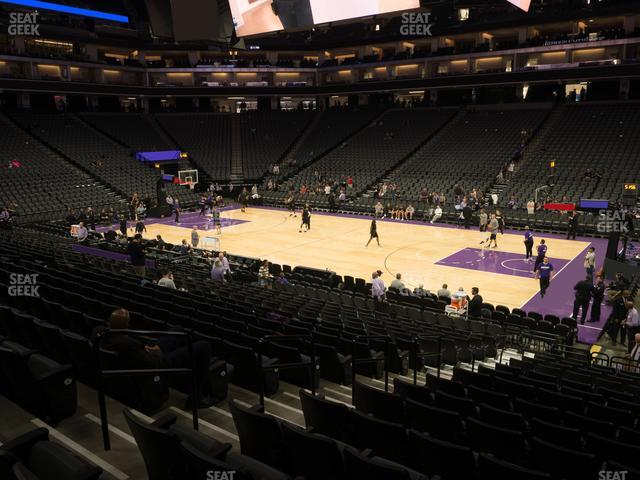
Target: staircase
[
  {"x": 237, "y": 170},
  {"x": 292, "y": 172},
  {"x": 370, "y": 190},
  {"x": 537, "y": 137},
  {"x": 295, "y": 146}
]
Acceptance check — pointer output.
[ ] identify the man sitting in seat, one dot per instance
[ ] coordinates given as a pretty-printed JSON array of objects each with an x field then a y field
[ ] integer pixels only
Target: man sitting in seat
[{"x": 165, "y": 352}]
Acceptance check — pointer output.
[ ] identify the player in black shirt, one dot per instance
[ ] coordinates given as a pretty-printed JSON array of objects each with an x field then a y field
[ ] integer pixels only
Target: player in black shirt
[
  {"x": 373, "y": 233},
  {"x": 306, "y": 219}
]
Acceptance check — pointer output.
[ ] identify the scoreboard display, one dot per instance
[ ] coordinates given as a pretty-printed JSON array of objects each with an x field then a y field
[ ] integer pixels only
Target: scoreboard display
[{"x": 630, "y": 194}]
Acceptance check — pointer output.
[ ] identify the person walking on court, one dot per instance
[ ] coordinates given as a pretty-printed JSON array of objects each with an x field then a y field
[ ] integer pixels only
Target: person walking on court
[
  {"x": 484, "y": 218},
  {"x": 306, "y": 219},
  {"x": 500, "y": 219},
  {"x": 572, "y": 226},
  {"x": 542, "y": 253},
  {"x": 195, "y": 237},
  {"x": 584, "y": 289},
  {"x": 373, "y": 233},
  {"x": 466, "y": 215},
  {"x": 590, "y": 262},
  {"x": 598, "y": 296},
  {"x": 545, "y": 274},
  {"x": 140, "y": 227},
  {"x": 493, "y": 231},
  {"x": 632, "y": 323},
  {"x": 177, "y": 212},
  {"x": 123, "y": 225},
  {"x": 528, "y": 244},
  {"x": 291, "y": 204}
]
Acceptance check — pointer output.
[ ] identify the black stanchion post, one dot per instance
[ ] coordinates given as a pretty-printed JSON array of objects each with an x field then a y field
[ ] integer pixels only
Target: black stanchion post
[
  {"x": 104, "y": 425},
  {"x": 195, "y": 398},
  {"x": 415, "y": 360},
  {"x": 386, "y": 364},
  {"x": 439, "y": 353},
  {"x": 260, "y": 372}
]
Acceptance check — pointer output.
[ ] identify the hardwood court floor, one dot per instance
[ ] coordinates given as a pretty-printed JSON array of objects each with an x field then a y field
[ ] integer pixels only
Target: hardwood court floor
[{"x": 337, "y": 242}]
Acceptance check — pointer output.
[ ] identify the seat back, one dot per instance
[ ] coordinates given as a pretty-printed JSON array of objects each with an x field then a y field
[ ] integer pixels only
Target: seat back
[
  {"x": 313, "y": 457},
  {"x": 160, "y": 448},
  {"x": 381, "y": 404},
  {"x": 260, "y": 435},
  {"x": 326, "y": 417}
]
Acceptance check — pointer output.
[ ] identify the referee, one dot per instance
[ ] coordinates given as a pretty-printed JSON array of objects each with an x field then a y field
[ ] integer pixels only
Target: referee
[{"x": 373, "y": 233}]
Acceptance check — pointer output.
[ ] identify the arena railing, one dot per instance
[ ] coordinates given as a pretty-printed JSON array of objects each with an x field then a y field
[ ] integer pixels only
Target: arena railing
[
  {"x": 625, "y": 365},
  {"x": 141, "y": 372},
  {"x": 385, "y": 357},
  {"x": 417, "y": 353},
  {"x": 311, "y": 364},
  {"x": 599, "y": 359}
]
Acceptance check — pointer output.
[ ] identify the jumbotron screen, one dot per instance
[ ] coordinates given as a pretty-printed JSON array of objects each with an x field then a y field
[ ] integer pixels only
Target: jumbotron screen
[
  {"x": 523, "y": 4},
  {"x": 252, "y": 17}
]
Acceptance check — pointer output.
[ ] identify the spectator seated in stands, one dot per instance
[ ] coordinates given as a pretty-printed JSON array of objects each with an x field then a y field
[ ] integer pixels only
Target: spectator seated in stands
[
  {"x": 419, "y": 291},
  {"x": 398, "y": 284},
  {"x": 167, "y": 280},
  {"x": 163, "y": 352}
]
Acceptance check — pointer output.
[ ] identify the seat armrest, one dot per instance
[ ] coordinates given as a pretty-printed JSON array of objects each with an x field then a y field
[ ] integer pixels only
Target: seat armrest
[
  {"x": 164, "y": 421},
  {"x": 21, "y": 446}
]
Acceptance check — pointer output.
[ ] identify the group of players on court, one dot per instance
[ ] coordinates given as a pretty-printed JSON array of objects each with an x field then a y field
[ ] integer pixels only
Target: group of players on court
[{"x": 542, "y": 269}]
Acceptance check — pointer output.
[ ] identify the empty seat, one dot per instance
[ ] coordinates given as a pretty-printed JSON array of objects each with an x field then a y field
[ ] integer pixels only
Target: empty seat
[
  {"x": 381, "y": 404},
  {"x": 260, "y": 435},
  {"x": 326, "y": 417}
]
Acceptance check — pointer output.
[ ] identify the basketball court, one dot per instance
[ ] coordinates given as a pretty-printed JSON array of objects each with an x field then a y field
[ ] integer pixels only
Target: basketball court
[{"x": 422, "y": 253}]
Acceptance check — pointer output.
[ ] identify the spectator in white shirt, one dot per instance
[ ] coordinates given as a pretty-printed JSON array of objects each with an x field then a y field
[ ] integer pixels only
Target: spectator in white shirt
[
  {"x": 83, "y": 233},
  {"x": 635, "y": 351},
  {"x": 531, "y": 207},
  {"x": 632, "y": 323},
  {"x": 437, "y": 214},
  {"x": 444, "y": 291},
  {"x": 409, "y": 212},
  {"x": 225, "y": 263},
  {"x": 379, "y": 208},
  {"x": 397, "y": 283},
  {"x": 590, "y": 262},
  {"x": 167, "y": 280},
  {"x": 378, "y": 288}
]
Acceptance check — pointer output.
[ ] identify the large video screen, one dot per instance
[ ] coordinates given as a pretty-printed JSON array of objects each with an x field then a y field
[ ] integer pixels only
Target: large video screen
[
  {"x": 252, "y": 17},
  {"x": 523, "y": 4}
]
